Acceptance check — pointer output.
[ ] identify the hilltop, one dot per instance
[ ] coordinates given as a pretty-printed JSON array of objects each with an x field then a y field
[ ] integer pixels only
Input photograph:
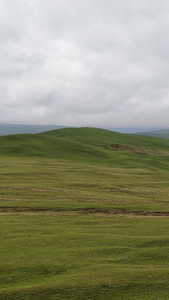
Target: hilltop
[{"x": 8, "y": 129}]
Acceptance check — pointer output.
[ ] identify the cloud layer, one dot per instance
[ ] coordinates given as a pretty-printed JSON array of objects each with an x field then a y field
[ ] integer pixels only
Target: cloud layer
[{"x": 66, "y": 62}]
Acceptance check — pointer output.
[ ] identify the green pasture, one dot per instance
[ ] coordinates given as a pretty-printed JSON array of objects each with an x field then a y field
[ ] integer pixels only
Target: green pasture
[
  {"x": 82, "y": 220},
  {"x": 50, "y": 184},
  {"x": 50, "y": 256}
]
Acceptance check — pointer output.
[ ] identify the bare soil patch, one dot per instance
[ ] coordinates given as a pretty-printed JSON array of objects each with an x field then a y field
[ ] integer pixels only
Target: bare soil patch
[
  {"x": 130, "y": 148},
  {"x": 85, "y": 211}
]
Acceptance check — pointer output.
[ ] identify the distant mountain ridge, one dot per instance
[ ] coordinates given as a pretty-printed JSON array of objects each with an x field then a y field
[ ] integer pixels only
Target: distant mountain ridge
[
  {"x": 136, "y": 130},
  {"x": 156, "y": 133},
  {"x": 8, "y": 129}
]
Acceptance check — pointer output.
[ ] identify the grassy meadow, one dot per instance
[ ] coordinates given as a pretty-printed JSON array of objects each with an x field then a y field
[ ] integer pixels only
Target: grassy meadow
[{"x": 84, "y": 214}]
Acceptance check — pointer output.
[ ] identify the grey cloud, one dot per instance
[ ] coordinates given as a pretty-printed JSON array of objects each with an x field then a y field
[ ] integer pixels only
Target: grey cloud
[
  {"x": 76, "y": 62},
  {"x": 16, "y": 66}
]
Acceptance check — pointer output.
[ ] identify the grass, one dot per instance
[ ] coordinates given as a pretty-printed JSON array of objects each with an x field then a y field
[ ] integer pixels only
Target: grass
[
  {"x": 83, "y": 257},
  {"x": 47, "y": 184},
  {"x": 83, "y": 224}
]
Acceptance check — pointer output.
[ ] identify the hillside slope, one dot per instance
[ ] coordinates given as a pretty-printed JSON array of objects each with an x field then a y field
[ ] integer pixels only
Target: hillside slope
[{"x": 89, "y": 145}]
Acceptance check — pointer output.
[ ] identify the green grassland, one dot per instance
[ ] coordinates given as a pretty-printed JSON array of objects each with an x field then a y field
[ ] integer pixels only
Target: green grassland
[{"x": 84, "y": 214}]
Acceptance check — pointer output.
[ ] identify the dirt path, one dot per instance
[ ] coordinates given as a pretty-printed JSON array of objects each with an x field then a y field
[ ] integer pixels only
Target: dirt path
[{"x": 86, "y": 211}]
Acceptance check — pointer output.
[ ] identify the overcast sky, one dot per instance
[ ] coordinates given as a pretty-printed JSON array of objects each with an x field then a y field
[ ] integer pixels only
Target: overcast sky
[{"x": 84, "y": 62}]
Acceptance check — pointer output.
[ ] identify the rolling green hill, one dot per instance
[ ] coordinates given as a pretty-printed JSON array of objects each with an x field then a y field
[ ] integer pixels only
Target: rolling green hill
[{"x": 90, "y": 145}]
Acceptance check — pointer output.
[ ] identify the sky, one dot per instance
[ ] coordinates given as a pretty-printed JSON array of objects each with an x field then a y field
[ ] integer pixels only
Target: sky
[{"x": 102, "y": 63}]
